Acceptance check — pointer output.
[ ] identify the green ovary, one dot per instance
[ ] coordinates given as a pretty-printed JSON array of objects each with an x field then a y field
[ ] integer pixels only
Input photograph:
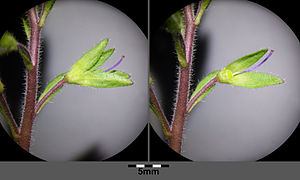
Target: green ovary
[{"x": 225, "y": 76}]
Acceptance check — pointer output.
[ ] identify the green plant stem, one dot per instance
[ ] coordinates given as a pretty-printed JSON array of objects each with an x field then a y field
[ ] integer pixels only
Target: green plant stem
[
  {"x": 175, "y": 139},
  {"x": 160, "y": 113},
  {"x": 8, "y": 115},
  {"x": 31, "y": 83}
]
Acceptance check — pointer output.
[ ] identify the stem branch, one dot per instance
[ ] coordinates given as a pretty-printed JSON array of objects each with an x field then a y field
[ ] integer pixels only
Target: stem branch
[
  {"x": 162, "y": 117},
  {"x": 49, "y": 93},
  {"x": 206, "y": 87},
  {"x": 189, "y": 33},
  {"x": 11, "y": 121}
]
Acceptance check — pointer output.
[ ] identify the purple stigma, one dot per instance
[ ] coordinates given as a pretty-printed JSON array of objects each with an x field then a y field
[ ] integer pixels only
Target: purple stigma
[
  {"x": 252, "y": 69},
  {"x": 115, "y": 64}
]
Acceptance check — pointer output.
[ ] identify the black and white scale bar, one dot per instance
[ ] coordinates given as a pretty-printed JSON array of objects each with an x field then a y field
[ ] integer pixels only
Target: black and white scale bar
[{"x": 148, "y": 165}]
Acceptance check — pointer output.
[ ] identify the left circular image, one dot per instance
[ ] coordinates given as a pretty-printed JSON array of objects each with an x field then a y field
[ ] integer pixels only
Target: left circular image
[{"x": 73, "y": 80}]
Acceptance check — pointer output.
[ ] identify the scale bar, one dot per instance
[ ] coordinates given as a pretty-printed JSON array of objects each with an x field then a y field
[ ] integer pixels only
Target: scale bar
[{"x": 148, "y": 165}]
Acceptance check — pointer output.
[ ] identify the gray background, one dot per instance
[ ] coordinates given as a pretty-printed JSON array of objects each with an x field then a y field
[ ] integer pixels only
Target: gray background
[
  {"x": 178, "y": 170},
  {"x": 234, "y": 123},
  {"x": 84, "y": 119}
]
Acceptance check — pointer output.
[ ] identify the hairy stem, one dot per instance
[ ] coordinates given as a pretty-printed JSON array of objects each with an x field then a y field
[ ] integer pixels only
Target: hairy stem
[
  {"x": 31, "y": 83},
  {"x": 189, "y": 33},
  {"x": 175, "y": 139},
  {"x": 8, "y": 115},
  {"x": 160, "y": 113}
]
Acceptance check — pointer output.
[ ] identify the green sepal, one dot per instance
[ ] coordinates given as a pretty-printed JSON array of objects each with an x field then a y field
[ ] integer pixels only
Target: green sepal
[
  {"x": 117, "y": 73},
  {"x": 87, "y": 61},
  {"x": 244, "y": 62},
  {"x": 254, "y": 80},
  {"x": 165, "y": 131},
  {"x": 26, "y": 28},
  {"x": 25, "y": 56},
  {"x": 7, "y": 43},
  {"x": 200, "y": 85},
  {"x": 204, "y": 5},
  {"x": 180, "y": 52},
  {"x": 49, "y": 87},
  {"x": 101, "y": 79},
  {"x": 224, "y": 76},
  {"x": 48, "y": 6},
  {"x": 105, "y": 55}
]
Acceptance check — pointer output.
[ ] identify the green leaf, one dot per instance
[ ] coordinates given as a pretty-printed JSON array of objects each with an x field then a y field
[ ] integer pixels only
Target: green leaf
[
  {"x": 1, "y": 87},
  {"x": 200, "y": 86},
  {"x": 179, "y": 17},
  {"x": 201, "y": 97},
  {"x": 164, "y": 128},
  {"x": 150, "y": 81},
  {"x": 173, "y": 24},
  {"x": 49, "y": 87},
  {"x": 203, "y": 82},
  {"x": 87, "y": 61},
  {"x": 243, "y": 63},
  {"x": 105, "y": 55},
  {"x": 26, "y": 28},
  {"x": 23, "y": 51},
  {"x": 254, "y": 80},
  {"x": 7, "y": 43},
  {"x": 4, "y": 115},
  {"x": 12, "y": 130},
  {"x": 47, "y": 7},
  {"x": 180, "y": 52},
  {"x": 204, "y": 5},
  {"x": 7, "y": 119},
  {"x": 102, "y": 79}
]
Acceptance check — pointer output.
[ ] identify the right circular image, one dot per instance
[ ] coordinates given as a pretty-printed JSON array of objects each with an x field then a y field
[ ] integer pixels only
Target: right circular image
[{"x": 224, "y": 81}]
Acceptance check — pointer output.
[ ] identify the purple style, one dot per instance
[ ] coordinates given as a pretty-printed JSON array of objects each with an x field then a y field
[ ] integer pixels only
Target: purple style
[
  {"x": 252, "y": 69},
  {"x": 115, "y": 64}
]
